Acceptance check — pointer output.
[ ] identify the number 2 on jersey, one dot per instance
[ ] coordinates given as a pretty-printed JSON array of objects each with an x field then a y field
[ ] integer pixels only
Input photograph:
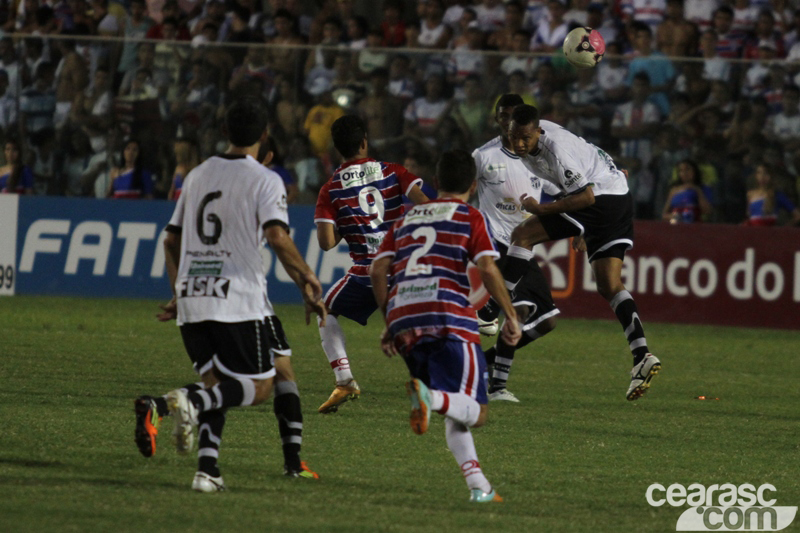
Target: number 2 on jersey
[
  {"x": 376, "y": 208},
  {"x": 412, "y": 267}
]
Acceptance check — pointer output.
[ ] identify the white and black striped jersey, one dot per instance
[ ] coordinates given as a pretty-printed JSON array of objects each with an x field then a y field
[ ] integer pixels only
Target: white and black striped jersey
[
  {"x": 226, "y": 203},
  {"x": 502, "y": 179},
  {"x": 572, "y": 164}
]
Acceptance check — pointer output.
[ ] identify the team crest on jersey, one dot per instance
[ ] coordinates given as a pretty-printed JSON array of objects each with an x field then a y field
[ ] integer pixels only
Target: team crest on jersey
[
  {"x": 536, "y": 182},
  {"x": 428, "y": 213},
  {"x": 357, "y": 175},
  {"x": 195, "y": 286}
]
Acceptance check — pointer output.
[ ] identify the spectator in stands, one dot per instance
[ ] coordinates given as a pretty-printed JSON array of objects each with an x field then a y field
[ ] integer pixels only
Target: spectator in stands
[
  {"x": 784, "y": 127},
  {"x": 186, "y": 158},
  {"x": 382, "y": 112},
  {"x": 91, "y": 110},
  {"x": 170, "y": 10},
  {"x": 197, "y": 103},
  {"x": 729, "y": 43},
  {"x": 433, "y": 32},
  {"x": 715, "y": 68},
  {"x": 254, "y": 72},
  {"x": 701, "y": 12},
  {"x": 659, "y": 69},
  {"x": 10, "y": 64},
  {"x": 467, "y": 61},
  {"x": 318, "y": 127},
  {"x": 357, "y": 29},
  {"x": 471, "y": 114},
  {"x": 667, "y": 153},
  {"x": 290, "y": 112},
  {"x": 214, "y": 15},
  {"x": 745, "y": 17},
  {"x": 73, "y": 161},
  {"x": 15, "y": 177},
  {"x": 285, "y": 60},
  {"x": 650, "y": 12},
  {"x": 491, "y": 15},
  {"x": 37, "y": 104},
  {"x": 169, "y": 60},
  {"x": 535, "y": 12},
  {"x": 42, "y": 159},
  {"x": 503, "y": 38},
  {"x": 33, "y": 55},
  {"x": 578, "y": 14},
  {"x": 307, "y": 169},
  {"x": 423, "y": 116},
  {"x": 105, "y": 23},
  {"x": 331, "y": 37},
  {"x": 755, "y": 80},
  {"x": 635, "y": 123},
  {"x": 271, "y": 158},
  {"x": 454, "y": 9},
  {"x": 611, "y": 75},
  {"x": 586, "y": 98},
  {"x": 135, "y": 26},
  {"x": 368, "y": 59},
  {"x": 523, "y": 62},
  {"x": 393, "y": 29},
  {"x": 676, "y": 36},
  {"x": 765, "y": 31},
  {"x": 793, "y": 37},
  {"x": 551, "y": 31},
  {"x": 401, "y": 83},
  {"x": 131, "y": 181},
  {"x": 543, "y": 88},
  {"x": 764, "y": 202},
  {"x": 460, "y": 39},
  {"x": 687, "y": 201},
  {"x": 145, "y": 57},
  {"x": 8, "y": 108}
]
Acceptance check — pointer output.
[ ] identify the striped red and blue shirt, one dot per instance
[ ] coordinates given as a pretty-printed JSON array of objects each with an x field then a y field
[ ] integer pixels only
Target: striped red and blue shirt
[
  {"x": 428, "y": 285},
  {"x": 363, "y": 199}
]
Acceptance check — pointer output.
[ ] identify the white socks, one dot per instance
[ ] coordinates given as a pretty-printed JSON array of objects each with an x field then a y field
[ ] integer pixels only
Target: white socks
[
  {"x": 334, "y": 347},
  {"x": 460, "y": 443},
  {"x": 457, "y": 406}
]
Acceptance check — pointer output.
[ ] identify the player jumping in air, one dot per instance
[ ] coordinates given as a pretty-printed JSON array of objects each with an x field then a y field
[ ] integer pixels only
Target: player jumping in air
[
  {"x": 428, "y": 315},
  {"x": 502, "y": 179},
  {"x": 215, "y": 268},
  {"x": 359, "y": 204},
  {"x": 595, "y": 203}
]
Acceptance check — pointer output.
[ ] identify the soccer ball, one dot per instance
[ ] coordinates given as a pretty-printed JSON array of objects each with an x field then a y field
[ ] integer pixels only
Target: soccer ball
[{"x": 584, "y": 47}]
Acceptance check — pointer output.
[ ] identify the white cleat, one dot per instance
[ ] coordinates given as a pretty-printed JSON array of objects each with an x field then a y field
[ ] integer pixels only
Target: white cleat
[
  {"x": 641, "y": 375},
  {"x": 503, "y": 395},
  {"x": 488, "y": 328},
  {"x": 205, "y": 483},
  {"x": 185, "y": 415}
]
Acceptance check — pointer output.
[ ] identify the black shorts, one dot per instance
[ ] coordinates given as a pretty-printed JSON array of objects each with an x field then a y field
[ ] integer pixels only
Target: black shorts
[
  {"x": 606, "y": 225},
  {"x": 237, "y": 349},
  {"x": 532, "y": 291}
]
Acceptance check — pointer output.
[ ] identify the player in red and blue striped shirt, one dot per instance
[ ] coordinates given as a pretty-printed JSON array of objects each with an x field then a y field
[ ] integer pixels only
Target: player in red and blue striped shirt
[
  {"x": 359, "y": 204},
  {"x": 428, "y": 315}
]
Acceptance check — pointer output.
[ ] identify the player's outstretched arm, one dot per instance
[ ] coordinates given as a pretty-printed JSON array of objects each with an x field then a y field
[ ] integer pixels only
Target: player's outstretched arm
[
  {"x": 493, "y": 281},
  {"x": 417, "y": 196},
  {"x": 282, "y": 244},
  {"x": 378, "y": 273},
  {"x": 327, "y": 236},
  {"x": 570, "y": 203},
  {"x": 172, "y": 253}
]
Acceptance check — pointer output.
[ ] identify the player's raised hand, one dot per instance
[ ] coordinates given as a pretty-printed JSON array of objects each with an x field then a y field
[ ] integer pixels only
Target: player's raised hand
[
  {"x": 387, "y": 343},
  {"x": 511, "y": 333},
  {"x": 529, "y": 204},
  {"x": 313, "y": 303},
  {"x": 169, "y": 311}
]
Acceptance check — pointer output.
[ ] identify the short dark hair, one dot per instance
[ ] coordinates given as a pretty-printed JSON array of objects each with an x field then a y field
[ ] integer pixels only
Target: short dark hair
[
  {"x": 641, "y": 26},
  {"x": 455, "y": 171},
  {"x": 642, "y": 76},
  {"x": 245, "y": 121},
  {"x": 348, "y": 132},
  {"x": 525, "y": 114},
  {"x": 508, "y": 100},
  {"x": 724, "y": 9}
]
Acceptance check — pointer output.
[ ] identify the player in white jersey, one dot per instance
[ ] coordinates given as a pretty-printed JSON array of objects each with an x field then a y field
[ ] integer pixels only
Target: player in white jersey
[
  {"x": 595, "y": 203},
  {"x": 502, "y": 180},
  {"x": 230, "y": 203}
]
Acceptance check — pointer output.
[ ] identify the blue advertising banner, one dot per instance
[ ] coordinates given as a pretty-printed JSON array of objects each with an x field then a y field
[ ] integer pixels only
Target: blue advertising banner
[{"x": 113, "y": 248}]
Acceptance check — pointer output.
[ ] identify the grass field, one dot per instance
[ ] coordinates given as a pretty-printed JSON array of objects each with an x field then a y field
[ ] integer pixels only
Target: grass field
[{"x": 573, "y": 456}]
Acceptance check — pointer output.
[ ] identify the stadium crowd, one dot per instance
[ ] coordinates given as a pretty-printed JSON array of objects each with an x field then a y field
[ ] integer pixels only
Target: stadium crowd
[{"x": 697, "y": 99}]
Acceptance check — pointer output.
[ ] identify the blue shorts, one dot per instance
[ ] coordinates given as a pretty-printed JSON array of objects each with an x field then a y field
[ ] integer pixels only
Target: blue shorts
[
  {"x": 450, "y": 365},
  {"x": 351, "y": 299}
]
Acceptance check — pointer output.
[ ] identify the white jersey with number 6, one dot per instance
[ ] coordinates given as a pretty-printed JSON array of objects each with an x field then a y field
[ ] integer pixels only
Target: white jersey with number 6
[{"x": 221, "y": 214}]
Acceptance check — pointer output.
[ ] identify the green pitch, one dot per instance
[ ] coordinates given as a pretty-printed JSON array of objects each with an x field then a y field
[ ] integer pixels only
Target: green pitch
[{"x": 573, "y": 456}]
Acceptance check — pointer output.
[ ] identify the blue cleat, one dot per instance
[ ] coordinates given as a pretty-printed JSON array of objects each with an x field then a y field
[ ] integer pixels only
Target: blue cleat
[
  {"x": 420, "y": 398},
  {"x": 478, "y": 496}
]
